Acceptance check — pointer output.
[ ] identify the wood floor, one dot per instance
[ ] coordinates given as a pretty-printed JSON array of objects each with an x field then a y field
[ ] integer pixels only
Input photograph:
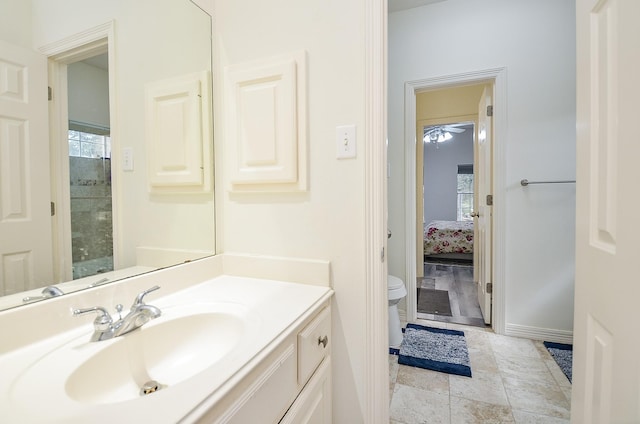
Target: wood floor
[{"x": 463, "y": 296}]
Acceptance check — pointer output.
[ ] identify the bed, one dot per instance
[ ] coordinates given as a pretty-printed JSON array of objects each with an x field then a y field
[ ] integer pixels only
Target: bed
[{"x": 448, "y": 240}]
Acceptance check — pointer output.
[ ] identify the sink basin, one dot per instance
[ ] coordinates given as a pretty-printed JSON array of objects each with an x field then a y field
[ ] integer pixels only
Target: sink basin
[
  {"x": 208, "y": 346},
  {"x": 167, "y": 353},
  {"x": 181, "y": 344}
]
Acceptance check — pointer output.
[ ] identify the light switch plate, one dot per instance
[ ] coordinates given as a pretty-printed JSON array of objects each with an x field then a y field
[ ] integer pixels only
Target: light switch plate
[
  {"x": 346, "y": 141},
  {"x": 127, "y": 158}
]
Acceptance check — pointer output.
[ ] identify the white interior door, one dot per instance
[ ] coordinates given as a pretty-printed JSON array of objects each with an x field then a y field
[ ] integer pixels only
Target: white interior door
[
  {"x": 483, "y": 208},
  {"x": 606, "y": 370},
  {"x": 25, "y": 213}
]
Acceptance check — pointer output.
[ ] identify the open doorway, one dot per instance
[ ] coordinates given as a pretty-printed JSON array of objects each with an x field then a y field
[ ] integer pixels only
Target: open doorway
[
  {"x": 446, "y": 290},
  {"x": 81, "y": 77},
  {"x": 445, "y": 107},
  {"x": 89, "y": 138}
]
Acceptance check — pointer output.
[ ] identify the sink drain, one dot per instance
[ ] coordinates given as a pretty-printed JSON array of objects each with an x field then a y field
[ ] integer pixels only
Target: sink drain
[{"x": 150, "y": 387}]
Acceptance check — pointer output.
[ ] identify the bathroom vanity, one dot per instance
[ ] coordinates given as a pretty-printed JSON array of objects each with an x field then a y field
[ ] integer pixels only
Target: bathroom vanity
[
  {"x": 292, "y": 384},
  {"x": 226, "y": 348}
]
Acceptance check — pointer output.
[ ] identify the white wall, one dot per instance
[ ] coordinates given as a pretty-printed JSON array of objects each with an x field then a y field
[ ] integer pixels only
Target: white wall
[
  {"x": 535, "y": 41},
  {"x": 327, "y": 221},
  {"x": 15, "y": 22},
  {"x": 441, "y": 175}
]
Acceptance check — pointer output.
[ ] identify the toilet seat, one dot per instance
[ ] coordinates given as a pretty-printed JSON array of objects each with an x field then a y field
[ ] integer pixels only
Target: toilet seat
[
  {"x": 395, "y": 292},
  {"x": 395, "y": 287}
]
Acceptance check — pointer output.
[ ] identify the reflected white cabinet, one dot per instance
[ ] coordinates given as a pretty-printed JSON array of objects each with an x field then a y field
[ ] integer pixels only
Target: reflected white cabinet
[
  {"x": 178, "y": 134},
  {"x": 292, "y": 384}
]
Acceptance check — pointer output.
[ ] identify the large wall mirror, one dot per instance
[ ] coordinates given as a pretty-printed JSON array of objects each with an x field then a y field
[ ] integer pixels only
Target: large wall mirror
[{"x": 80, "y": 201}]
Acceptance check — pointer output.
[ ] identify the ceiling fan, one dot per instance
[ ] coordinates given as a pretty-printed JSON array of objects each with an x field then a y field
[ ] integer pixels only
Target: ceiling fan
[{"x": 441, "y": 133}]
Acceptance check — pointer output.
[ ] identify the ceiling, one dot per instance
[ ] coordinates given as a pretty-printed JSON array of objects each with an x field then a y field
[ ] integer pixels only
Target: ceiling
[
  {"x": 100, "y": 61},
  {"x": 453, "y": 129},
  {"x": 398, "y": 5}
]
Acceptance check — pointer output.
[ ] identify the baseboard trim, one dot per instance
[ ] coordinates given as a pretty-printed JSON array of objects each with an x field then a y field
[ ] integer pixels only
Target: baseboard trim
[{"x": 537, "y": 333}]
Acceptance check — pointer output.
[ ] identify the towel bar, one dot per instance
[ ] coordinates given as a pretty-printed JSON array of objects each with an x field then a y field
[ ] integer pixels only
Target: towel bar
[{"x": 526, "y": 182}]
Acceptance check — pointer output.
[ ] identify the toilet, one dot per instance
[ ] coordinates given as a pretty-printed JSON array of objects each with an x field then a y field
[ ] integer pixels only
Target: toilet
[{"x": 396, "y": 291}]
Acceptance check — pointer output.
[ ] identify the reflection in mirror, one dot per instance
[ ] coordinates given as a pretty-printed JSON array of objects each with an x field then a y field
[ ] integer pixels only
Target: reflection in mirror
[
  {"x": 90, "y": 167},
  {"x": 77, "y": 205}
]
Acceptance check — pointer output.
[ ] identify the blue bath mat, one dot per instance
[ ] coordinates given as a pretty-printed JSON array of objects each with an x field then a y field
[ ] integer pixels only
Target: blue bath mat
[
  {"x": 435, "y": 349},
  {"x": 563, "y": 355}
]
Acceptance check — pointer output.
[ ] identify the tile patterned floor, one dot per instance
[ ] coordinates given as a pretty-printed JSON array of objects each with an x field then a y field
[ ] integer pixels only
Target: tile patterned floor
[
  {"x": 457, "y": 280},
  {"x": 514, "y": 381}
]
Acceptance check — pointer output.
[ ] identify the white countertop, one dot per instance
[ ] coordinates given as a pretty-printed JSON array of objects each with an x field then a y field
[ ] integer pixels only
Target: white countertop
[{"x": 272, "y": 306}]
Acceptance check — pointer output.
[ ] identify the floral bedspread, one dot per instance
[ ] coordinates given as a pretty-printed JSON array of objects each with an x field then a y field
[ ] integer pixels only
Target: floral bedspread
[{"x": 448, "y": 237}]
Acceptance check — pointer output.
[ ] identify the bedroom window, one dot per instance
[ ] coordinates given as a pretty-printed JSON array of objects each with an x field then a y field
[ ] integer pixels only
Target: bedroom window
[{"x": 465, "y": 192}]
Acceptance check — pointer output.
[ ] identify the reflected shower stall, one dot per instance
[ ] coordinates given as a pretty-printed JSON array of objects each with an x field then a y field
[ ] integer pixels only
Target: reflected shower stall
[{"x": 90, "y": 196}]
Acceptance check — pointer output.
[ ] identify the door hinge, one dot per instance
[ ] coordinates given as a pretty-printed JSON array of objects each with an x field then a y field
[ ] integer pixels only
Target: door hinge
[
  {"x": 489, "y": 199},
  {"x": 490, "y": 110},
  {"x": 53, "y": 208},
  {"x": 489, "y": 288},
  {"x": 382, "y": 255},
  {"x": 49, "y": 93}
]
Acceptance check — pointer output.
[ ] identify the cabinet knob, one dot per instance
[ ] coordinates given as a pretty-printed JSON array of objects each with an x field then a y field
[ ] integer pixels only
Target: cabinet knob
[{"x": 323, "y": 341}]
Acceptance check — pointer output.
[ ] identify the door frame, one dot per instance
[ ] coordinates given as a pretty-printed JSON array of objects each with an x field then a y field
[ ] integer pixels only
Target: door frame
[
  {"x": 375, "y": 370},
  {"x": 60, "y": 54},
  {"x": 497, "y": 76}
]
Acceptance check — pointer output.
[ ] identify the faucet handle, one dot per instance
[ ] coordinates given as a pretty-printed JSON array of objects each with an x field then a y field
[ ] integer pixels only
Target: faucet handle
[
  {"x": 102, "y": 322},
  {"x": 119, "y": 309},
  {"x": 52, "y": 291},
  {"x": 138, "y": 301}
]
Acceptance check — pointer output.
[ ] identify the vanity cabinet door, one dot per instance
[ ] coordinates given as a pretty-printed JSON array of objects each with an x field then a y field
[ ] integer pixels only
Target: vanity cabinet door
[
  {"x": 273, "y": 390},
  {"x": 313, "y": 405},
  {"x": 291, "y": 385},
  {"x": 264, "y": 395}
]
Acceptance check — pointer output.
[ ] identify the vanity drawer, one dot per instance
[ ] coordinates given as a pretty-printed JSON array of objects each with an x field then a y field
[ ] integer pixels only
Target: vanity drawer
[{"x": 314, "y": 343}]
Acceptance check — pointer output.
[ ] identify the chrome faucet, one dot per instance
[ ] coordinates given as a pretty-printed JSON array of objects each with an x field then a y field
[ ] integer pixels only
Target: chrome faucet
[
  {"x": 139, "y": 314},
  {"x": 47, "y": 292}
]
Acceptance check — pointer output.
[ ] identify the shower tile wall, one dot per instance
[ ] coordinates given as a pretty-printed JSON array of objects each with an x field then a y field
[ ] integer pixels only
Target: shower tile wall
[{"x": 91, "y": 222}]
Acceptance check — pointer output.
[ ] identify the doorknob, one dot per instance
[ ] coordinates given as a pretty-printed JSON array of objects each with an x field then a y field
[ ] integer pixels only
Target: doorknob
[{"x": 475, "y": 214}]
